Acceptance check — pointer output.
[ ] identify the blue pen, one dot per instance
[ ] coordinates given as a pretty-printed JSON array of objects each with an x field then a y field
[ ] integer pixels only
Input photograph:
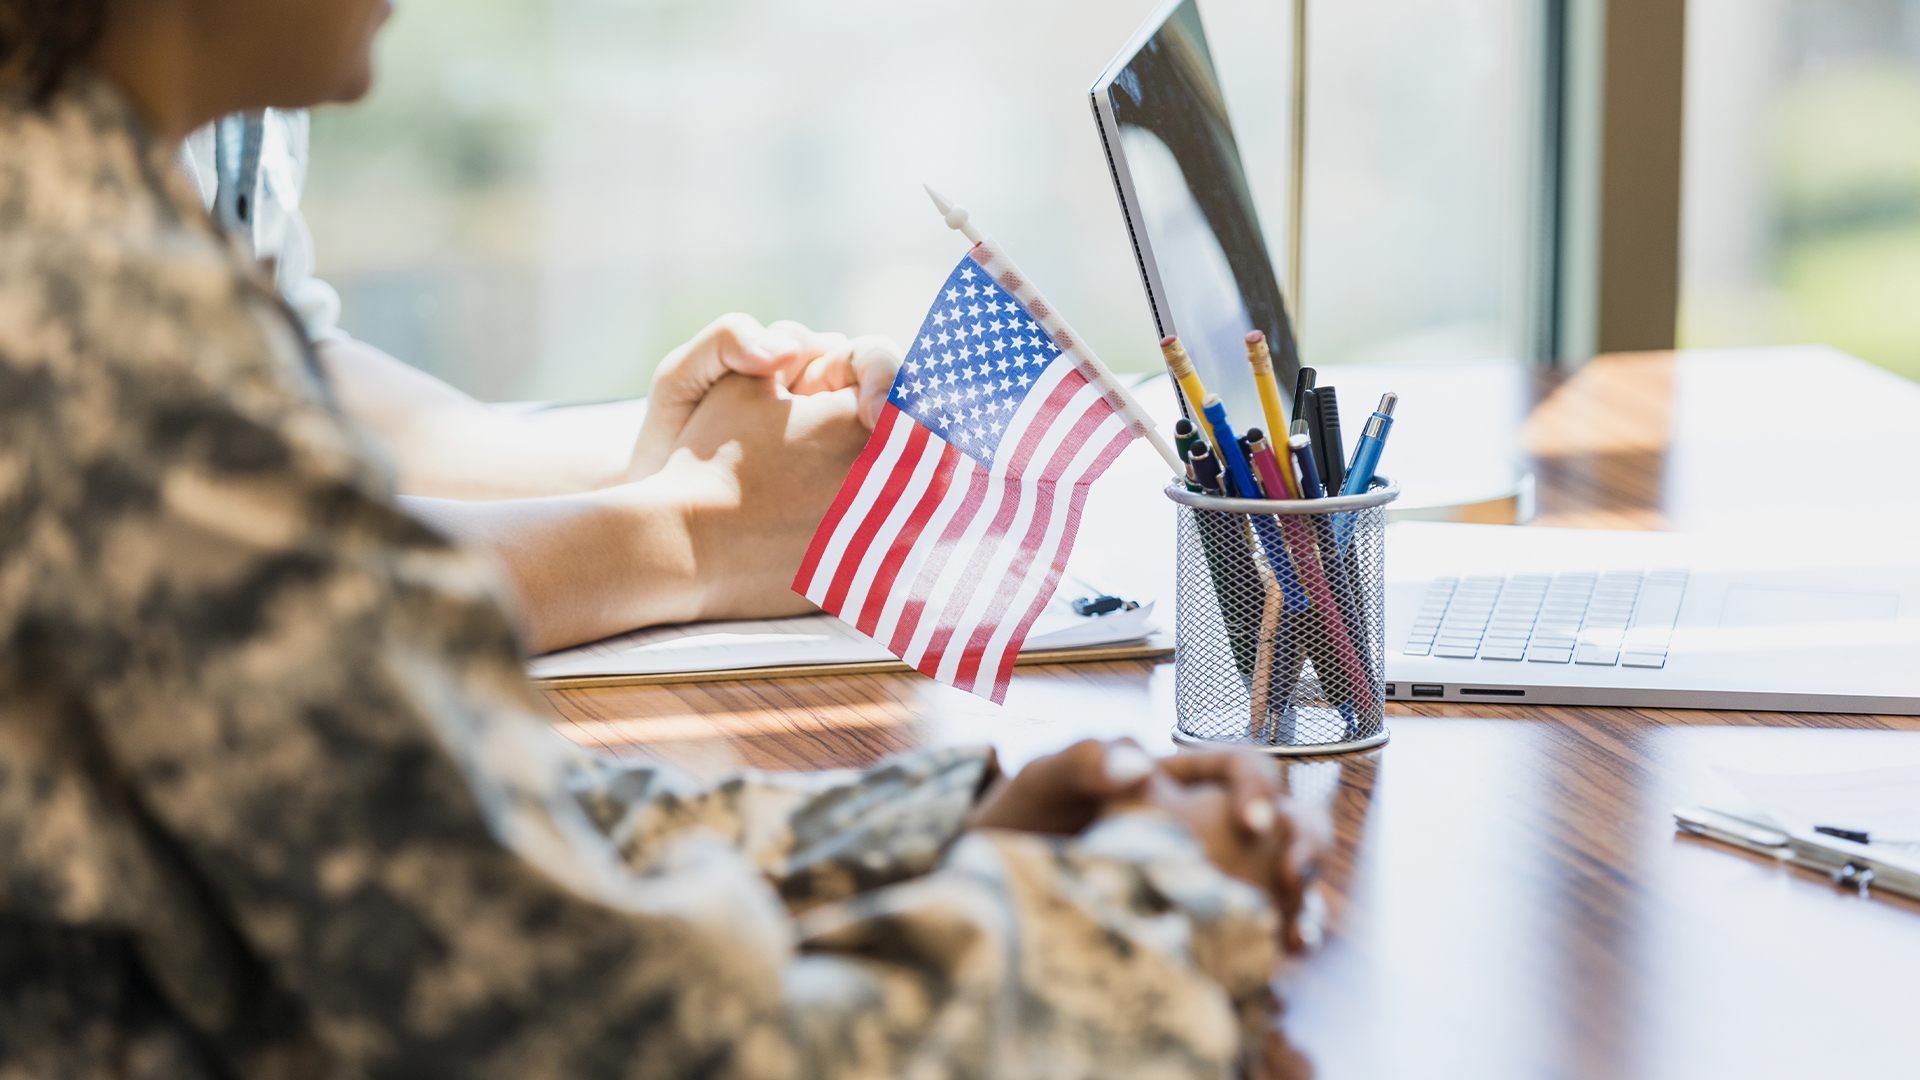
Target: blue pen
[
  {"x": 1229, "y": 448},
  {"x": 1366, "y": 453},
  {"x": 1242, "y": 476},
  {"x": 1310, "y": 485}
]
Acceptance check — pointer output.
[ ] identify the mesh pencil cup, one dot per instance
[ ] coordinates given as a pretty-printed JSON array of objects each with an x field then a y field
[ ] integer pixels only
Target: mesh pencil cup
[{"x": 1282, "y": 622}]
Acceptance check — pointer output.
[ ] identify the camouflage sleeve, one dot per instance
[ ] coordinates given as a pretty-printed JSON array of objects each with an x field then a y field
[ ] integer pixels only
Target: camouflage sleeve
[
  {"x": 318, "y": 706},
  {"x": 1119, "y": 953},
  {"x": 816, "y": 836}
]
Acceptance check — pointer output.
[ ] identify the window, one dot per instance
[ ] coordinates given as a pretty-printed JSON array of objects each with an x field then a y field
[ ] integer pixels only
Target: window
[
  {"x": 1802, "y": 212},
  {"x": 542, "y": 197}
]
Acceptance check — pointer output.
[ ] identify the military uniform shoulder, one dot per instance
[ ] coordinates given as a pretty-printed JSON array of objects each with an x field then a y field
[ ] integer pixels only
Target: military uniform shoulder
[
  {"x": 109, "y": 258},
  {"x": 85, "y": 162}
]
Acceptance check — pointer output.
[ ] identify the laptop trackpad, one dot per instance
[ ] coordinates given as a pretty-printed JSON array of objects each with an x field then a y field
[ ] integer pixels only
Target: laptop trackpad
[{"x": 1752, "y": 605}]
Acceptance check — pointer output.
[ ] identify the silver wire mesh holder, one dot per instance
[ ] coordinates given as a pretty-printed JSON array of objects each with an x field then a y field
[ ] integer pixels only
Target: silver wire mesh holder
[{"x": 1281, "y": 611}]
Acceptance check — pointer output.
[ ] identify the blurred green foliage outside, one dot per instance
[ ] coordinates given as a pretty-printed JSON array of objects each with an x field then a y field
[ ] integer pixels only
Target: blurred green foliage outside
[{"x": 1835, "y": 229}]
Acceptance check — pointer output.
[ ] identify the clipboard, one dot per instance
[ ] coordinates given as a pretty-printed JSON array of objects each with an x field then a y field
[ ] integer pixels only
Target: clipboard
[{"x": 1844, "y": 862}]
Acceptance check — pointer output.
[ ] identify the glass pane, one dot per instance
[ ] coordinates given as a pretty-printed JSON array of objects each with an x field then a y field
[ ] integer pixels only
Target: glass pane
[
  {"x": 1802, "y": 208},
  {"x": 544, "y": 196},
  {"x": 1420, "y": 185}
]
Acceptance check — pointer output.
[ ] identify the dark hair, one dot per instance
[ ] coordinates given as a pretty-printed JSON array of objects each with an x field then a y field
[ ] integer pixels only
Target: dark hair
[{"x": 41, "y": 41}]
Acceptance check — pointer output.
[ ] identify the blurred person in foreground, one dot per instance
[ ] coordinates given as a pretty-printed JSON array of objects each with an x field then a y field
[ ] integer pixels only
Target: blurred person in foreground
[{"x": 276, "y": 799}]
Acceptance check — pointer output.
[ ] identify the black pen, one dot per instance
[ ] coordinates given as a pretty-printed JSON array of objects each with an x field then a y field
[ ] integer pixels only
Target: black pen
[
  {"x": 1328, "y": 449},
  {"x": 1860, "y": 836}
]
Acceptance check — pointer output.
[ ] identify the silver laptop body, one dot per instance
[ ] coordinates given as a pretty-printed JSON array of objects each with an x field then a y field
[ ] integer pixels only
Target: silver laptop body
[{"x": 1781, "y": 619}]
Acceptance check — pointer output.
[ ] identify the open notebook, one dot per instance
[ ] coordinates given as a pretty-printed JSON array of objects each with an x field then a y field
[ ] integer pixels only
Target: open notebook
[{"x": 816, "y": 644}]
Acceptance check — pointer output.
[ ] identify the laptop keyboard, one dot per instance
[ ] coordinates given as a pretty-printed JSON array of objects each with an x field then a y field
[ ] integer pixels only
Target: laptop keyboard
[{"x": 1620, "y": 617}]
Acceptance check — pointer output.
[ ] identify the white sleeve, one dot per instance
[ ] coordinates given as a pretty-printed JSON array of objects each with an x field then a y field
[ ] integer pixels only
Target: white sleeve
[
  {"x": 276, "y": 230},
  {"x": 281, "y": 231}
]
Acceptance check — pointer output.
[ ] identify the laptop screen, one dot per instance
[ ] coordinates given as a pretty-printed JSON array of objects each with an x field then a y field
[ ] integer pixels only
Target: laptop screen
[{"x": 1176, "y": 167}]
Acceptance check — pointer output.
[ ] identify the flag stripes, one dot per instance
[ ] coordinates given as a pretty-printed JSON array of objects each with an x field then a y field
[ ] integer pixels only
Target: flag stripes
[{"x": 948, "y": 554}]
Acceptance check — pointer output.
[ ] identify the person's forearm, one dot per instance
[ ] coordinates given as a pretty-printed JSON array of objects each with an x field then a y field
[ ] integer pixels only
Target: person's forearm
[
  {"x": 448, "y": 445},
  {"x": 585, "y": 566}
]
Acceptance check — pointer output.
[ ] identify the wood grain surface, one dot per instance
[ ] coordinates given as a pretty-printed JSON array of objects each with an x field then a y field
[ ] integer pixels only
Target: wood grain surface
[{"x": 1510, "y": 897}]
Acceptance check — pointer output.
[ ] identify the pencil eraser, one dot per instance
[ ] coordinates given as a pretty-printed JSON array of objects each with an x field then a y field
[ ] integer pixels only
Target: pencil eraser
[
  {"x": 1168, "y": 340},
  {"x": 1255, "y": 337}
]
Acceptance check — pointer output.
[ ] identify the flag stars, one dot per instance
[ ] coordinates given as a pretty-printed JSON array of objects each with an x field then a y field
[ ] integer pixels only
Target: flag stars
[{"x": 968, "y": 374}]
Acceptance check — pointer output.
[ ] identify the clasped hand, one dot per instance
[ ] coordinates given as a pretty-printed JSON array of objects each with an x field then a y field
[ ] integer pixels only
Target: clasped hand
[
  {"x": 751, "y": 430},
  {"x": 1230, "y": 802},
  {"x": 799, "y": 361}
]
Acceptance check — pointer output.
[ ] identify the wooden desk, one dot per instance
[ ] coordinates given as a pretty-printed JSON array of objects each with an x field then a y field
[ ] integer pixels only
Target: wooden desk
[{"x": 1511, "y": 899}]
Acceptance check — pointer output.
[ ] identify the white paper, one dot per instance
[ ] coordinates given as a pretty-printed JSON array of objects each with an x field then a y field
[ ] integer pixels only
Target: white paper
[
  {"x": 1883, "y": 803},
  {"x": 805, "y": 639}
]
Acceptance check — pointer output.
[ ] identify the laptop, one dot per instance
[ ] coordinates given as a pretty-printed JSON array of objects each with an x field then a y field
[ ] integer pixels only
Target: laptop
[{"x": 1766, "y": 620}]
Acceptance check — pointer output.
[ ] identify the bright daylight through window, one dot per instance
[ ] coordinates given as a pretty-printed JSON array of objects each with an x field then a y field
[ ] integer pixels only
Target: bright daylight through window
[
  {"x": 1802, "y": 218},
  {"x": 543, "y": 196}
]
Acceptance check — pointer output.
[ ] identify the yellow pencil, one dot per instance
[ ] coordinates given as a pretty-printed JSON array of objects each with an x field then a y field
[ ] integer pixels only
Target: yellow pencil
[
  {"x": 1262, "y": 362},
  {"x": 1181, "y": 365}
]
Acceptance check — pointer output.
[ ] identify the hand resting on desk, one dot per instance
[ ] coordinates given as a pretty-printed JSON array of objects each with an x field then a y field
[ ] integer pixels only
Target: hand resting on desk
[{"x": 1230, "y": 802}]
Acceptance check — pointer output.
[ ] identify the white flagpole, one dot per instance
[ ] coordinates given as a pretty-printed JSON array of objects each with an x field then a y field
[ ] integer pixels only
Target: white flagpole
[{"x": 993, "y": 259}]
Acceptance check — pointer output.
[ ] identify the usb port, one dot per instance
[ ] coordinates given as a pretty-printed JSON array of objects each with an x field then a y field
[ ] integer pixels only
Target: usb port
[
  {"x": 1393, "y": 690},
  {"x": 1428, "y": 690},
  {"x": 1491, "y": 691}
]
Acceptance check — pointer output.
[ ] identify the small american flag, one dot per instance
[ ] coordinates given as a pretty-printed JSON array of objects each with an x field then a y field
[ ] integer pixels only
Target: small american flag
[{"x": 949, "y": 537}]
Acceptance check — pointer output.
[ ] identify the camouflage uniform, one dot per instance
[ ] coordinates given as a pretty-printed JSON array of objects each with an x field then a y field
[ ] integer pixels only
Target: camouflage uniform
[{"x": 276, "y": 799}]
